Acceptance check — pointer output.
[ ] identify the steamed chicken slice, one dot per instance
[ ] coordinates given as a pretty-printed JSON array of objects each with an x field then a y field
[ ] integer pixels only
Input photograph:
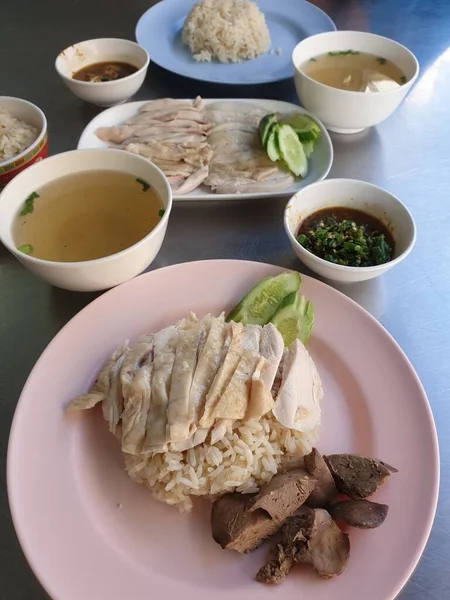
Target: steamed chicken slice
[
  {"x": 210, "y": 358},
  {"x": 175, "y": 126},
  {"x": 271, "y": 349},
  {"x": 234, "y": 400},
  {"x": 135, "y": 414},
  {"x": 225, "y": 372},
  {"x": 175, "y": 169},
  {"x": 168, "y": 114},
  {"x": 112, "y": 405},
  {"x": 172, "y": 103},
  {"x": 242, "y": 160},
  {"x": 197, "y": 157},
  {"x": 233, "y": 138},
  {"x": 297, "y": 405},
  {"x": 233, "y": 126},
  {"x": 261, "y": 400},
  {"x": 132, "y": 362},
  {"x": 193, "y": 181},
  {"x": 227, "y": 174},
  {"x": 250, "y": 186},
  {"x": 119, "y": 134},
  {"x": 186, "y": 349},
  {"x": 196, "y": 438},
  {"x": 237, "y": 108},
  {"x": 101, "y": 385},
  {"x": 219, "y": 117},
  {"x": 86, "y": 401},
  {"x": 221, "y": 382},
  {"x": 163, "y": 360},
  {"x": 188, "y": 140},
  {"x": 276, "y": 183}
]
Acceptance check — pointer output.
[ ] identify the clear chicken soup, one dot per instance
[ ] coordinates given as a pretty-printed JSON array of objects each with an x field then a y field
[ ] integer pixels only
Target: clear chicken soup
[
  {"x": 86, "y": 215},
  {"x": 354, "y": 71}
]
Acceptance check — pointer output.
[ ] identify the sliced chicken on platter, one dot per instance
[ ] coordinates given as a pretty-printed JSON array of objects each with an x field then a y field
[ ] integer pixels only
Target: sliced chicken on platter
[{"x": 219, "y": 139}]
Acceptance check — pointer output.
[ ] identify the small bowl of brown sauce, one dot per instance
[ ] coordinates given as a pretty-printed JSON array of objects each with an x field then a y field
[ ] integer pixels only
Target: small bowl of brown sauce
[
  {"x": 105, "y": 71},
  {"x": 348, "y": 230}
]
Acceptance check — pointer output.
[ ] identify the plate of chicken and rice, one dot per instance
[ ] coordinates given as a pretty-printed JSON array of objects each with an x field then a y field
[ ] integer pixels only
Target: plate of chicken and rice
[{"x": 222, "y": 428}]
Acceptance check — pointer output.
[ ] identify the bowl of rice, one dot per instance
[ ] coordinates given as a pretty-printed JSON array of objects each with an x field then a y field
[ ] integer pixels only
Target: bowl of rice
[{"x": 23, "y": 137}]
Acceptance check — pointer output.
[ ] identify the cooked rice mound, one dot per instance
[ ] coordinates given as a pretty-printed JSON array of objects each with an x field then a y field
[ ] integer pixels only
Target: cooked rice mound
[
  {"x": 226, "y": 30},
  {"x": 15, "y": 135},
  {"x": 243, "y": 460}
]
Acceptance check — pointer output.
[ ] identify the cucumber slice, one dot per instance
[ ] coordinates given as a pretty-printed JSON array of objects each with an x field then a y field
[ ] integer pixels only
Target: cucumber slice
[
  {"x": 291, "y": 150},
  {"x": 308, "y": 147},
  {"x": 272, "y": 148},
  {"x": 294, "y": 319},
  {"x": 305, "y": 127},
  {"x": 260, "y": 304},
  {"x": 264, "y": 127}
]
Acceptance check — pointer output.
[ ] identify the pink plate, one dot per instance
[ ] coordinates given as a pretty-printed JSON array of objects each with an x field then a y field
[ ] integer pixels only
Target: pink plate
[{"x": 90, "y": 533}]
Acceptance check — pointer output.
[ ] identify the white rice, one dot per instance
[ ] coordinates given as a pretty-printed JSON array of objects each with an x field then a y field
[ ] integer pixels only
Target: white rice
[
  {"x": 243, "y": 460},
  {"x": 15, "y": 135},
  {"x": 226, "y": 30}
]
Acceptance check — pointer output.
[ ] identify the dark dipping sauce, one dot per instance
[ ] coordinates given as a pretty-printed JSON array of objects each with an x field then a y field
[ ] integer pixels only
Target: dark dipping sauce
[
  {"x": 346, "y": 236},
  {"x": 104, "y": 71}
]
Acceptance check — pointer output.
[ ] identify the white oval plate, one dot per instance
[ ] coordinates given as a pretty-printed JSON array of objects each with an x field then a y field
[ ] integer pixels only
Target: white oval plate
[
  {"x": 90, "y": 533},
  {"x": 319, "y": 164}
]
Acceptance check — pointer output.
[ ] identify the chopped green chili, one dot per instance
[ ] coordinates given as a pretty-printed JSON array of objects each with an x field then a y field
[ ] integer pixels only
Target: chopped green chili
[
  {"x": 28, "y": 205},
  {"x": 26, "y": 248},
  {"x": 161, "y": 212},
  {"x": 403, "y": 79},
  {"x": 346, "y": 243},
  {"x": 381, "y": 61},
  {"x": 313, "y": 59},
  {"x": 145, "y": 185}
]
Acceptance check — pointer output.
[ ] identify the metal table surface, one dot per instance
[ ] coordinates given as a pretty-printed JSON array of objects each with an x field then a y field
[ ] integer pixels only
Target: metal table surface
[{"x": 409, "y": 155}]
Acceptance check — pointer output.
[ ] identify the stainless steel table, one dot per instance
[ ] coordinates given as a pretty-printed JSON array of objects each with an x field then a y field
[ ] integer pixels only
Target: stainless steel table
[{"x": 409, "y": 155}]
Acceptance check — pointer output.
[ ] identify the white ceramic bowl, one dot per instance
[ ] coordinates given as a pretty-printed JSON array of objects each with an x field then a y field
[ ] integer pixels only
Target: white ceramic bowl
[
  {"x": 102, "y": 273},
  {"x": 340, "y": 110},
  {"x": 31, "y": 114},
  {"x": 103, "y": 93},
  {"x": 361, "y": 196}
]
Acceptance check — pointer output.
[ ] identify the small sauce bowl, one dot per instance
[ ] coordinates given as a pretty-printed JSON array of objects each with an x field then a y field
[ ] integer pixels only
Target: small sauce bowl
[
  {"x": 355, "y": 194},
  {"x": 103, "y": 93}
]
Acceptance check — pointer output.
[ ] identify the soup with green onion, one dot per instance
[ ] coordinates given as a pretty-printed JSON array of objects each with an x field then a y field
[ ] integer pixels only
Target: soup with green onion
[
  {"x": 86, "y": 215},
  {"x": 354, "y": 71}
]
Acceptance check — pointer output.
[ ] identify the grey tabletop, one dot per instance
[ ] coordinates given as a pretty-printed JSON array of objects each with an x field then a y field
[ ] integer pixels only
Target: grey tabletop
[{"x": 409, "y": 155}]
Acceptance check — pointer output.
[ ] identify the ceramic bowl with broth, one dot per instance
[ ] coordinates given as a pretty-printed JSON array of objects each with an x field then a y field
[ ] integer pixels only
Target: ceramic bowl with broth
[
  {"x": 382, "y": 70},
  {"x": 86, "y": 220},
  {"x": 126, "y": 60},
  {"x": 353, "y": 195}
]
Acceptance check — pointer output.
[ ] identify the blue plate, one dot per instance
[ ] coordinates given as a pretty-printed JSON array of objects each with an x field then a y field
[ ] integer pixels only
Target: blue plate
[{"x": 289, "y": 22}]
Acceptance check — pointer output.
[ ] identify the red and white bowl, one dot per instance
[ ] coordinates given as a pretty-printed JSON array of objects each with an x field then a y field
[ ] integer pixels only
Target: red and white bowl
[{"x": 31, "y": 114}]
